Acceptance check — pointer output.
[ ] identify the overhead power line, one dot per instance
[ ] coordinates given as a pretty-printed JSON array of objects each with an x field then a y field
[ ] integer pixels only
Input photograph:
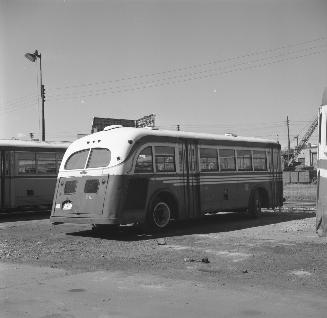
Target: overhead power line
[
  {"x": 195, "y": 66},
  {"x": 178, "y": 75},
  {"x": 203, "y": 74}
]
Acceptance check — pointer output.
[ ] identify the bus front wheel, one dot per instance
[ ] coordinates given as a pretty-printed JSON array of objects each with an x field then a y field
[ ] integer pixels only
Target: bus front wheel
[
  {"x": 255, "y": 204},
  {"x": 159, "y": 215}
]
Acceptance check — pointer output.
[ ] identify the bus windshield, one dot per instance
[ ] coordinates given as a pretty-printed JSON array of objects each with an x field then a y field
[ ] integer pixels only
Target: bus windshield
[{"x": 89, "y": 158}]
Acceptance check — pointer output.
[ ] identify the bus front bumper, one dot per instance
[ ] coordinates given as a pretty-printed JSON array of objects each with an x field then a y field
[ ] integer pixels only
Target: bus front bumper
[{"x": 83, "y": 220}]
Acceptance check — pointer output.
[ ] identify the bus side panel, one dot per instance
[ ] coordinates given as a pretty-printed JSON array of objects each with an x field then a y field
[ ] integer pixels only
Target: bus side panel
[
  {"x": 32, "y": 191},
  {"x": 140, "y": 190},
  {"x": 232, "y": 191},
  {"x": 6, "y": 181},
  {"x": 149, "y": 188},
  {"x": 134, "y": 197},
  {"x": 211, "y": 197},
  {"x": 2, "y": 179},
  {"x": 235, "y": 195}
]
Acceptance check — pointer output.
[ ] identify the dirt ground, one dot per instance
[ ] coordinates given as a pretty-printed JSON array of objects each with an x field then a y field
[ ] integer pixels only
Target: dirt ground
[
  {"x": 273, "y": 266},
  {"x": 279, "y": 250}
]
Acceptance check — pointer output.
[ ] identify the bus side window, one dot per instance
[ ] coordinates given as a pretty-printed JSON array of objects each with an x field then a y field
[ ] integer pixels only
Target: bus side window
[
  {"x": 244, "y": 160},
  {"x": 8, "y": 164},
  {"x": 144, "y": 161},
  {"x": 269, "y": 160},
  {"x": 208, "y": 159},
  {"x": 276, "y": 160},
  {"x": 46, "y": 163},
  {"x": 227, "y": 159},
  {"x": 165, "y": 159},
  {"x": 259, "y": 160},
  {"x": 26, "y": 163}
]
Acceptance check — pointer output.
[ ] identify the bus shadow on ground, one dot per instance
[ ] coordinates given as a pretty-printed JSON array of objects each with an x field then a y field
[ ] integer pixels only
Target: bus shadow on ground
[
  {"x": 217, "y": 223},
  {"x": 24, "y": 216}
]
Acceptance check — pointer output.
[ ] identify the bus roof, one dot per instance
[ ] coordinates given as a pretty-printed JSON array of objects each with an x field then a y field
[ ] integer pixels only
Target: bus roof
[
  {"x": 137, "y": 133},
  {"x": 30, "y": 145},
  {"x": 121, "y": 140},
  {"x": 115, "y": 138}
]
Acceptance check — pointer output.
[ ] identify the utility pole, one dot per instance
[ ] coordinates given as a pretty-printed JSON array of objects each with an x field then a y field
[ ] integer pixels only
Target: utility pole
[
  {"x": 288, "y": 138},
  {"x": 178, "y": 127}
]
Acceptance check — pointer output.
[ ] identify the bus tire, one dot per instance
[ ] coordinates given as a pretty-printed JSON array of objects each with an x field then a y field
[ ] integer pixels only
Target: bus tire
[
  {"x": 255, "y": 204},
  {"x": 158, "y": 215}
]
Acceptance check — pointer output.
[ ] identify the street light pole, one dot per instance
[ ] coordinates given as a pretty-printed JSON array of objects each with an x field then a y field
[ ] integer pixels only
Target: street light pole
[{"x": 33, "y": 57}]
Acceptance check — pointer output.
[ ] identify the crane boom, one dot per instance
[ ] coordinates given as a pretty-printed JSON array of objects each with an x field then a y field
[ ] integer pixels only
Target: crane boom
[{"x": 304, "y": 140}]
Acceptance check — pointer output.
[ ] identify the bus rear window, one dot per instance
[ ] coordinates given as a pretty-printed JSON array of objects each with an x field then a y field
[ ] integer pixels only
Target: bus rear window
[
  {"x": 77, "y": 160},
  {"x": 99, "y": 157}
]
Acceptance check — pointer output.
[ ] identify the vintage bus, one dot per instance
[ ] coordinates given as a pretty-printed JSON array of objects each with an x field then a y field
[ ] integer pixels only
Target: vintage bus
[
  {"x": 28, "y": 173},
  {"x": 128, "y": 175},
  {"x": 321, "y": 215}
]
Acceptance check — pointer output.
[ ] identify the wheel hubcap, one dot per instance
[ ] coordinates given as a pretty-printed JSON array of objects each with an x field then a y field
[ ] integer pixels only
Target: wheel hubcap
[{"x": 161, "y": 214}]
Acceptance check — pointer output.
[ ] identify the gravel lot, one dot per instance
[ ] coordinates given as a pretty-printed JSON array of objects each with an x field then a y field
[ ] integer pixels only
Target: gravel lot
[{"x": 279, "y": 250}]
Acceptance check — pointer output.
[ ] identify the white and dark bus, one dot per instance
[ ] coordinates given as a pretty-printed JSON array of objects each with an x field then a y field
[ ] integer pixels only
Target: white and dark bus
[
  {"x": 321, "y": 215},
  {"x": 28, "y": 173},
  {"x": 128, "y": 175}
]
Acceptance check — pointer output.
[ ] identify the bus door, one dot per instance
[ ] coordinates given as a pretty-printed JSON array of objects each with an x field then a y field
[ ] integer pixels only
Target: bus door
[{"x": 190, "y": 193}]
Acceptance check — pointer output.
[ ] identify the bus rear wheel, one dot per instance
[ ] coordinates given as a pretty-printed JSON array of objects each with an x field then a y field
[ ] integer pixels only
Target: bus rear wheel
[
  {"x": 159, "y": 215},
  {"x": 255, "y": 204}
]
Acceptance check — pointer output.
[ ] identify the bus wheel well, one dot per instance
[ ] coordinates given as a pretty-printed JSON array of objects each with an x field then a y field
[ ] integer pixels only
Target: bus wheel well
[{"x": 170, "y": 199}]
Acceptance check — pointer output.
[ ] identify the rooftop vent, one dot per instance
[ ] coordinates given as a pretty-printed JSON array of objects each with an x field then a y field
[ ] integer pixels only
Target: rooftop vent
[
  {"x": 230, "y": 135},
  {"x": 111, "y": 127}
]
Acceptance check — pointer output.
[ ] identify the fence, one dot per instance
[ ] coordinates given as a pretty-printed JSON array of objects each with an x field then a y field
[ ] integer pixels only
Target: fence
[
  {"x": 305, "y": 176},
  {"x": 300, "y": 196}
]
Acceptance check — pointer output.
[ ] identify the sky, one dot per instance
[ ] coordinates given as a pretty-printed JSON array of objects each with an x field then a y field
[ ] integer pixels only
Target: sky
[{"x": 217, "y": 66}]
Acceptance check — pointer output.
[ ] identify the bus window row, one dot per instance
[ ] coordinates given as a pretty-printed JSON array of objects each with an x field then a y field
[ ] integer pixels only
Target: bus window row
[
  {"x": 231, "y": 160},
  {"x": 35, "y": 163},
  {"x": 162, "y": 159}
]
